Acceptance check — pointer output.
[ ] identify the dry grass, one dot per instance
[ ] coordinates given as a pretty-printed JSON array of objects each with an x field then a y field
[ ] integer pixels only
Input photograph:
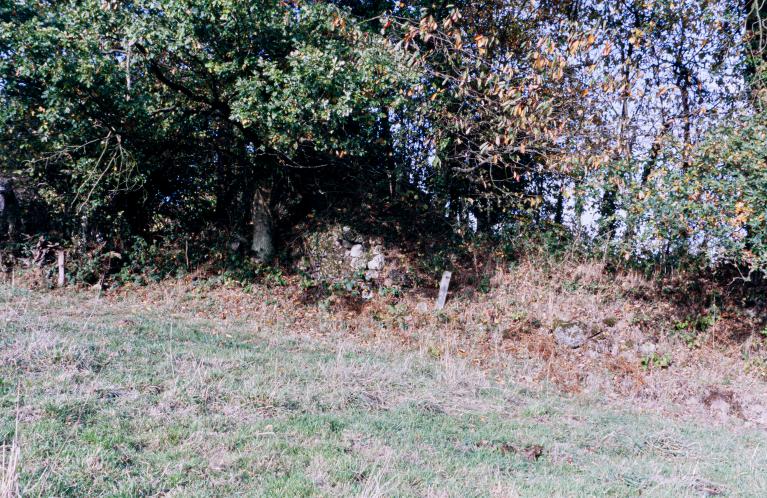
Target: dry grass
[
  {"x": 636, "y": 355},
  {"x": 154, "y": 392},
  {"x": 9, "y": 467}
]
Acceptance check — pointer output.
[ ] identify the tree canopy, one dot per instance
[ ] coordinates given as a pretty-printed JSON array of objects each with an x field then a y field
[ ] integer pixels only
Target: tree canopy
[{"x": 638, "y": 126}]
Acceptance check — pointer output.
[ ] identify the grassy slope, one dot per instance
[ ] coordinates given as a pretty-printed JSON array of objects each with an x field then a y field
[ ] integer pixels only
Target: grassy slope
[{"x": 111, "y": 401}]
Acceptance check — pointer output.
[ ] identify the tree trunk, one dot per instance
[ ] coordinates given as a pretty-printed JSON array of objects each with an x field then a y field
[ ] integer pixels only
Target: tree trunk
[
  {"x": 756, "y": 34},
  {"x": 559, "y": 207},
  {"x": 607, "y": 210},
  {"x": 262, "y": 243}
]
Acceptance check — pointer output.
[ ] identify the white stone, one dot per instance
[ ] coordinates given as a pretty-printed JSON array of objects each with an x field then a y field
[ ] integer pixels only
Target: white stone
[
  {"x": 371, "y": 274},
  {"x": 356, "y": 251},
  {"x": 377, "y": 263}
]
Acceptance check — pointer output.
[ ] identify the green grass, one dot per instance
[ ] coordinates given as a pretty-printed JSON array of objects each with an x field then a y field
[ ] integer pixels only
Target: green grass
[{"x": 112, "y": 401}]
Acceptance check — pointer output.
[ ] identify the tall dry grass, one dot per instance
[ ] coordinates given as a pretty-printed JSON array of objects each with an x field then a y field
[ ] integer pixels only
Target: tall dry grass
[{"x": 9, "y": 468}]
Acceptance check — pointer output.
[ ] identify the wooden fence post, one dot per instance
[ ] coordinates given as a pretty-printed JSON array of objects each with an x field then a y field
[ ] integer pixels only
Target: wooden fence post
[
  {"x": 60, "y": 260},
  {"x": 443, "y": 287}
]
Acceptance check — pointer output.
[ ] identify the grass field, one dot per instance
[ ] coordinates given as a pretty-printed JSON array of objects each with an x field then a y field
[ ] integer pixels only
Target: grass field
[{"x": 107, "y": 399}]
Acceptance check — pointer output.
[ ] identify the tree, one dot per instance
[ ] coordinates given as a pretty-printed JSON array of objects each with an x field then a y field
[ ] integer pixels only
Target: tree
[
  {"x": 496, "y": 101},
  {"x": 155, "y": 117},
  {"x": 131, "y": 109}
]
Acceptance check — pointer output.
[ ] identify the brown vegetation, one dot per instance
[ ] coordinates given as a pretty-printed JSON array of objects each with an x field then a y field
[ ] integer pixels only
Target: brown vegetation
[{"x": 658, "y": 344}]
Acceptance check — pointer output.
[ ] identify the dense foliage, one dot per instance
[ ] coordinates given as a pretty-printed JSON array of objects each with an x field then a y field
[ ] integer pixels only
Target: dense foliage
[
  {"x": 638, "y": 126},
  {"x": 153, "y": 114}
]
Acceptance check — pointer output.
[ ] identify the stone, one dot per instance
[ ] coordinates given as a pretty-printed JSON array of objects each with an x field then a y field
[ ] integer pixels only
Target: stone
[
  {"x": 356, "y": 251},
  {"x": 377, "y": 263},
  {"x": 647, "y": 349},
  {"x": 358, "y": 260},
  {"x": 572, "y": 335},
  {"x": 349, "y": 237},
  {"x": 371, "y": 274}
]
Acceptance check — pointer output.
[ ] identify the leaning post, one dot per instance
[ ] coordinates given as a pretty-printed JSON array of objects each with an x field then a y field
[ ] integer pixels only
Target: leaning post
[{"x": 443, "y": 287}]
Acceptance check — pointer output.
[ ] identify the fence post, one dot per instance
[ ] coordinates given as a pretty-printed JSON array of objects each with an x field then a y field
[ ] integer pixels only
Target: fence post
[
  {"x": 60, "y": 260},
  {"x": 443, "y": 287}
]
